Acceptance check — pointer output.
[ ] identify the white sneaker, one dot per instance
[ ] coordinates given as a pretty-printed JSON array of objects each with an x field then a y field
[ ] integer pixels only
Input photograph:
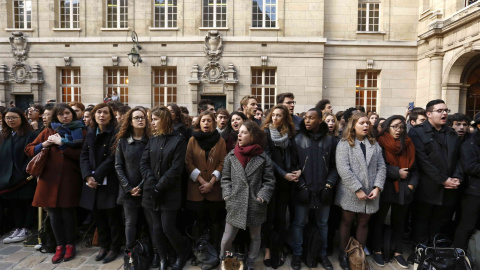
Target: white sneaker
[
  {"x": 9, "y": 239},
  {"x": 24, "y": 234}
]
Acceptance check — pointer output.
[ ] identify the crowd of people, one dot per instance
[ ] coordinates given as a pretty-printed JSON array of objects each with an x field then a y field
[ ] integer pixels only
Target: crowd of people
[{"x": 160, "y": 172}]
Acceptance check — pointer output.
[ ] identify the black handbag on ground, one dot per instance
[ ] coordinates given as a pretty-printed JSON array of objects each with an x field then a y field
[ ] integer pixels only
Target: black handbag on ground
[
  {"x": 204, "y": 252},
  {"x": 139, "y": 257},
  {"x": 442, "y": 256}
]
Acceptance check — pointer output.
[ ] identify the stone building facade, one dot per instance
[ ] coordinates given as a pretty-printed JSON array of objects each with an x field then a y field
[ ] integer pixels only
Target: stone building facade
[{"x": 381, "y": 54}]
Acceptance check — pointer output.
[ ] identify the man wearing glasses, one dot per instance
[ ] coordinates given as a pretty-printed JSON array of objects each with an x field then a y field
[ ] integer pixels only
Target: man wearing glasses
[
  {"x": 34, "y": 116},
  {"x": 437, "y": 154},
  {"x": 287, "y": 99}
]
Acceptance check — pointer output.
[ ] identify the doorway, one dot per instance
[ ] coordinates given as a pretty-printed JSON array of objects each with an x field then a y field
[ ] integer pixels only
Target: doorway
[
  {"x": 23, "y": 101},
  {"x": 220, "y": 101}
]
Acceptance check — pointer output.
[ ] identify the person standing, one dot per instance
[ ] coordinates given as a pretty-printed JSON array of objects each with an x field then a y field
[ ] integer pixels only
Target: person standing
[
  {"x": 362, "y": 172},
  {"x": 288, "y": 100},
  {"x": 398, "y": 191},
  {"x": 279, "y": 130},
  {"x": 437, "y": 153},
  {"x": 100, "y": 193},
  {"x": 235, "y": 121},
  {"x": 131, "y": 140},
  {"x": 314, "y": 154},
  {"x": 16, "y": 135},
  {"x": 247, "y": 187},
  {"x": 161, "y": 166},
  {"x": 222, "y": 120},
  {"x": 59, "y": 187},
  {"x": 249, "y": 107},
  {"x": 34, "y": 115}
]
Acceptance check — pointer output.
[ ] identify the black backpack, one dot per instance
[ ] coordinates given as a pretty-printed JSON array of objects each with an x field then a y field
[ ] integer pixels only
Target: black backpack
[
  {"x": 312, "y": 242},
  {"x": 139, "y": 257}
]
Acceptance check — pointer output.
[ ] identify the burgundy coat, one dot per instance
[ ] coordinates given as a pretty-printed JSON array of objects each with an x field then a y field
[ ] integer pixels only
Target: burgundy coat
[{"x": 60, "y": 184}]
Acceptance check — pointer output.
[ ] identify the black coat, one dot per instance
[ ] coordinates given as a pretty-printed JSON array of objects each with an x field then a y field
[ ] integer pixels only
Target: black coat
[
  {"x": 405, "y": 194},
  {"x": 127, "y": 164},
  {"x": 98, "y": 160},
  {"x": 162, "y": 165},
  {"x": 14, "y": 162},
  {"x": 470, "y": 158},
  {"x": 282, "y": 161},
  {"x": 314, "y": 154},
  {"x": 296, "y": 121},
  {"x": 435, "y": 166}
]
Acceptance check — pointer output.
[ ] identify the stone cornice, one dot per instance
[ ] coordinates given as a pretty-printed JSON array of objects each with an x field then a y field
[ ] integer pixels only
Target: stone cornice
[{"x": 370, "y": 43}]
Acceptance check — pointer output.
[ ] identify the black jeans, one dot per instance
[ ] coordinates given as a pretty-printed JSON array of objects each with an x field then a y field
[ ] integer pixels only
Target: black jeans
[
  {"x": 162, "y": 229},
  {"x": 276, "y": 216},
  {"x": 468, "y": 220},
  {"x": 398, "y": 225},
  {"x": 109, "y": 226},
  {"x": 63, "y": 225},
  {"x": 23, "y": 213},
  {"x": 428, "y": 220},
  {"x": 132, "y": 223}
]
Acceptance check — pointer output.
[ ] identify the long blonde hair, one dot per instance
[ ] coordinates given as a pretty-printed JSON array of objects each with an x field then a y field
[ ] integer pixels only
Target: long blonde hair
[
  {"x": 335, "y": 129},
  {"x": 349, "y": 133}
]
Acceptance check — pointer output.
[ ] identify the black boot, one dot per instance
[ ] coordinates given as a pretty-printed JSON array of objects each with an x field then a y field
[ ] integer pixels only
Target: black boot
[
  {"x": 156, "y": 259},
  {"x": 343, "y": 260},
  {"x": 180, "y": 263},
  {"x": 163, "y": 261}
]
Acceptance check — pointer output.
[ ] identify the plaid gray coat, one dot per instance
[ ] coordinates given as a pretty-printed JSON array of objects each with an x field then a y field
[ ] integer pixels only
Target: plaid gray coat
[{"x": 241, "y": 187}]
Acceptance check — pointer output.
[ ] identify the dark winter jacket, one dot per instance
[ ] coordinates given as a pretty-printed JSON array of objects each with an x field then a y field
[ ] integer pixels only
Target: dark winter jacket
[
  {"x": 14, "y": 162},
  {"x": 296, "y": 121},
  {"x": 282, "y": 161},
  {"x": 314, "y": 154},
  {"x": 436, "y": 163},
  {"x": 405, "y": 194},
  {"x": 470, "y": 158},
  {"x": 162, "y": 166},
  {"x": 127, "y": 164},
  {"x": 98, "y": 160}
]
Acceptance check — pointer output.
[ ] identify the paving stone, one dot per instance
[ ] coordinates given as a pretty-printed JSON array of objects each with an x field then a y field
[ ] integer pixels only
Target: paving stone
[
  {"x": 45, "y": 266},
  {"x": 88, "y": 267},
  {"x": 86, "y": 252},
  {"x": 18, "y": 256},
  {"x": 5, "y": 265},
  {"x": 91, "y": 260},
  {"x": 30, "y": 262},
  {"x": 9, "y": 250},
  {"x": 75, "y": 263},
  {"x": 117, "y": 264}
]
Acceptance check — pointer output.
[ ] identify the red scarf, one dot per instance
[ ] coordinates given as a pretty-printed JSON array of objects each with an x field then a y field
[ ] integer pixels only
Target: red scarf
[
  {"x": 245, "y": 153},
  {"x": 393, "y": 155}
]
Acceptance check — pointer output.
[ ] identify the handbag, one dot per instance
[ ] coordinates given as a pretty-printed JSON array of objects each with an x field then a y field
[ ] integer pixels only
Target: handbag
[
  {"x": 139, "y": 257},
  {"x": 204, "y": 252},
  {"x": 35, "y": 166},
  {"x": 232, "y": 261},
  {"x": 356, "y": 255},
  {"x": 442, "y": 256}
]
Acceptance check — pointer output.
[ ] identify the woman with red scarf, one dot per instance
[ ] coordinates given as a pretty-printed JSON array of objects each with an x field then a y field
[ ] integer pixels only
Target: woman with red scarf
[
  {"x": 247, "y": 186},
  {"x": 402, "y": 178}
]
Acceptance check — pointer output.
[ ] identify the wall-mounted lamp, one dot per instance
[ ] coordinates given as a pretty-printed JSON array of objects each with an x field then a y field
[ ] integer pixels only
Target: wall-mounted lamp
[{"x": 134, "y": 55}]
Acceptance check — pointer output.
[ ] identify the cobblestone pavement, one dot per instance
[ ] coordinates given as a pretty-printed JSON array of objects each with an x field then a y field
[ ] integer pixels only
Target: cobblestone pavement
[{"x": 16, "y": 256}]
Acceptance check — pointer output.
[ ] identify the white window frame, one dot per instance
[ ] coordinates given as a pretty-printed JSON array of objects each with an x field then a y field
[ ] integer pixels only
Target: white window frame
[
  {"x": 26, "y": 4},
  {"x": 72, "y": 97},
  {"x": 117, "y": 15},
  {"x": 166, "y": 3},
  {"x": 368, "y": 90},
  {"x": 215, "y": 21},
  {"x": 165, "y": 86},
  {"x": 264, "y": 13},
  {"x": 118, "y": 86},
  {"x": 368, "y": 5},
  {"x": 261, "y": 97},
  {"x": 70, "y": 14},
  {"x": 467, "y": 2}
]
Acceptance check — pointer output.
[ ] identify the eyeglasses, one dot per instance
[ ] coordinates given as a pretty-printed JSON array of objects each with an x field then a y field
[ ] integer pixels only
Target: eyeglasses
[
  {"x": 33, "y": 110},
  {"x": 291, "y": 103},
  {"x": 10, "y": 118},
  {"x": 442, "y": 111},
  {"x": 138, "y": 119},
  {"x": 398, "y": 127}
]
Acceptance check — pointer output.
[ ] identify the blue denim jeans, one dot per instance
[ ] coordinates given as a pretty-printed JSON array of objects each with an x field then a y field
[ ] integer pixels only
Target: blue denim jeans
[{"x": 321, "y": 221}]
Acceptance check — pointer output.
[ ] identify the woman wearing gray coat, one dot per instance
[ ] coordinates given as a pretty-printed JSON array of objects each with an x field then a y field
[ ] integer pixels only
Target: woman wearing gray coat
[
  {"x": 362, "y": 170},
  {"x": 247, "y": 186}
]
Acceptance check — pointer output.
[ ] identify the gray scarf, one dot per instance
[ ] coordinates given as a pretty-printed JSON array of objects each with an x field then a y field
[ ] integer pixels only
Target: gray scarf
[
  {"x": 278, "y": 139},
  {"x": 221, "y": 131}
]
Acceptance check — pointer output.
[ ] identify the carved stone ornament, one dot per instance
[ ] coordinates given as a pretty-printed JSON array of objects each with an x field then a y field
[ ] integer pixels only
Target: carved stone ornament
[
  {"x": 264, "y": 60},
  {"x": 67, "y": 61},
  {"x": 369, "y": 64},
  {"x": 213, "y": 72},
  {"x": 115, "y": 61},
  {"x": 20, "y": 72},
  {"x": 213, "y": 45},
  {"x": 19, "y": 44},
  {"x": 163, "y": 58}
]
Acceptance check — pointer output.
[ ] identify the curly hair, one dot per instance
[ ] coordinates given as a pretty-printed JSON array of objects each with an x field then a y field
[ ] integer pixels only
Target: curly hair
[
  {"x": 166, "y": 123},
  {"x": 126, "y": 128},
  {"x": 349, "y": 132},
  {"x": 258, "y": 136},
  {"x": 286, "y": 126}
]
